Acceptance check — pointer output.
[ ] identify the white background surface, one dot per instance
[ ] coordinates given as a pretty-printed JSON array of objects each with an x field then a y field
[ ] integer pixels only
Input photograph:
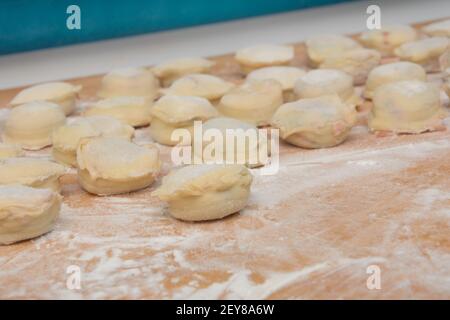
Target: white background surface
[{"x": 93, "y": 58}]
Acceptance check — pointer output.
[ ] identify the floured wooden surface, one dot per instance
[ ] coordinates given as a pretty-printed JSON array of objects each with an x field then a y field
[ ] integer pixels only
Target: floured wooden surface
[{"x": 309, "y": 232}]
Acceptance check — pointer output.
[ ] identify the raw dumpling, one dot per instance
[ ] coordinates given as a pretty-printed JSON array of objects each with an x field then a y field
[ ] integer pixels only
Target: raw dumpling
[
  {"x": 285, "y": 75},
  {"x": 254, "y": 101},
  {"x": 406, "y": 107},
  {"x": 176, "y": 112},
  {"x": 205, "y": 191},
  {"x": 10, "y": 151},
  {"x": 129, "y": 82},
  {"x": 30, "y": 125},
  {"x": 62, "y": 93},
  {"x": 323, "y": 82},
  {"x": 132, "y": 110},
  {"x": 425, "y": 52},
  {"x": 393, "y": 72},
  {"x": 200, "y": 85},
  {"x": 444, "y": 61},
  {"x": 26, "y": 213},
  {"x": 438, "y": 29},
  {"x": 259, "y": 56},
  {"x": 387, "y": 39},
  {"x": 113, "y": 165},
  {"x": 170, "y": 71},
  {"x": 357, "y": 63},
  {"x": 322, "y": 46},
  {"x": 66, "y": 138},
  {"x": 247, "y": 152},
  {"x": 32, "y": 172},
  {"x": 315, "y": 123}
]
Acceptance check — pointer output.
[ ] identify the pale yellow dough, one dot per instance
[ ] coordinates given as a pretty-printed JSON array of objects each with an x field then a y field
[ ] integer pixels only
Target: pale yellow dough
[
  {"x": 62, "y": 93},
  {"x": 393, "y": 72},
  {"x": 316, "y": 122},
  {"x": 406, "y": 107},
  {"x": 205, "y": 192},
  {"x": 66, "y": 138},
  {"x": 113, "y": 165},
  {"x": 323, "y": 82},
  {"x": 438, "y": 29},
  {"x": 10, "y": 151},
  {"x": 425, "y": 52},
  {"x": 32, "y": 172},
  {"x": 132, "y": 110},
  {"x": 264, "y": 55},
  {"x": 199, "y": 85},
  {"x": 285, "y": 75},
  {"x": 171, "y": 70},
  {"x": 444, "y": 61},
  {"x": 357, "y": 63},
  {"x": 30, "y": 125},
  {"x": 255, "y": 101},
  {"x": 129, "y": 82},
  {"x": 236, "y": 153},
  {"x": 321, "y": 47},
  {"x": 26, "y": 213},
  {"x": 387, "y": 39}
]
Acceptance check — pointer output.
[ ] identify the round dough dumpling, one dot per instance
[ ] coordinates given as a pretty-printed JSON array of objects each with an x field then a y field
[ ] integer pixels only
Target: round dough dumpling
[
  {"x": 285, "y": 75},
  {"x": 265, "y": 55},
  {"x": 32, "y": 172},
  {"x": 171, "y": 70},
  {"x": 178, "y": 112},
  {"x": 30, "y": 125},
  {"x": 62, "y": 93},
  {"x": 132, "y": 110},
  {"x": 393, "y": 72},
  {"x": 323, "y": 82},
  {"x": 66, "y": 138},
  {"x": 26, "y": 212},
  {"x": 438, "y": 29},
  {"x": 320, "y": 47},
  {"x": 406, "y": 107},
  {"x": 315, "y": 122},
  {"x": 387, "y": 39},
  {"x": 254, "y": 102},
  {"x": 425, "y": 52},
  {"x": 129, "y": 82},
  {"x": 205, "y": 191},
  {"x": 357, "y": 63},
  {"x": 10, "y": 151},
  {"x": 200, "y": 85},
  {"x": 113, "y": 165},
  {"x": 248, "y": 147}
]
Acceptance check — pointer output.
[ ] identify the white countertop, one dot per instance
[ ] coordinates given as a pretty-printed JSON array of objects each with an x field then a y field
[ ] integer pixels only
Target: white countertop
[{"x": 98, "y": 57}]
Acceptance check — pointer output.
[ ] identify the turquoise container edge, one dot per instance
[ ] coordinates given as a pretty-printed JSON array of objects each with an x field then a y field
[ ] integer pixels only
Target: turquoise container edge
[{"x": 29, "y": 25}]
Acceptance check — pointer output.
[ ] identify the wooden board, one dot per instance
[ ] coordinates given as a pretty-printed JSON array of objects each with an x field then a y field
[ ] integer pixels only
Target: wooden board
[{"x": 311, "y": 231}]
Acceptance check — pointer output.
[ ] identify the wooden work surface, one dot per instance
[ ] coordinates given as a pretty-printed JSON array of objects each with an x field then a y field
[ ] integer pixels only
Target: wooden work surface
[{"x": 310, "y": 231}]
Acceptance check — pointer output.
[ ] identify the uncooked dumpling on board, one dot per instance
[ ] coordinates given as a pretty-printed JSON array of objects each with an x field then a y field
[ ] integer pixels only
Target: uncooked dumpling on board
[
  {"x": 264, "y": 55},
  {"x": 438, "y": 29},
  {"x": 393, "y": 72},
  {"x": 66, "y": 138},
  {"x": 315, "y": 122},
  {"x": 406, "y": 107},
  {"x": 171, "y": 70},
  {"x": 30, "y": 125},
  {"x": 388, "y": 38},
  {"x": 113, "y": 165},
  {"x": 254, "y": 102},
  {"x": 444, "y": 61},
  {"x": 320, "y": 47},
  {"x": 178, "y": 112},
  {"x": 26, "y": 212},
  {"x": 205, "y": 191},
  {"x": 10, "y": 151}
]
